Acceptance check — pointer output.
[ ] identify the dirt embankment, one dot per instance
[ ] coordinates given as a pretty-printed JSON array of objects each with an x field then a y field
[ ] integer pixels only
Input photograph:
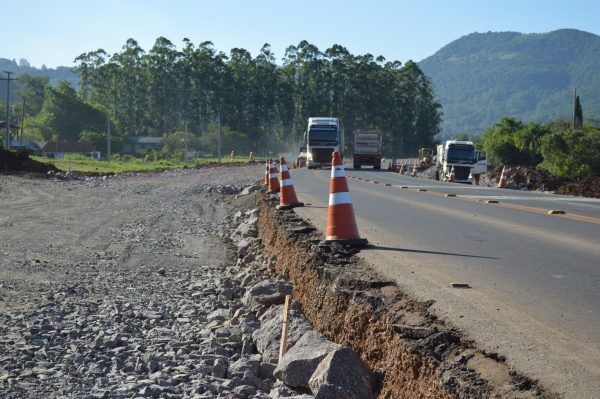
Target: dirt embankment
[
  {"x": 412, "y": 353},
  {"x": 19, "y": 161}
]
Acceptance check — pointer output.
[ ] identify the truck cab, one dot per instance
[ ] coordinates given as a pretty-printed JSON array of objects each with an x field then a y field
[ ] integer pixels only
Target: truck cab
[
  {"x": 480, "y": 166},
  {"x": 323, "y": 137},
  {"x": 459, "y": 155}
]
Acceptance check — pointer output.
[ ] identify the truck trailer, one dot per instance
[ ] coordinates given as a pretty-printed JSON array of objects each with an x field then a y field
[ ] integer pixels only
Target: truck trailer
[{"x": 367, "y": 149}]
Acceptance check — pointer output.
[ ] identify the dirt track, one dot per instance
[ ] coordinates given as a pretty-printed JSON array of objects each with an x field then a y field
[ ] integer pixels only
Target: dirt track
[{"x": 95, "y": 279}]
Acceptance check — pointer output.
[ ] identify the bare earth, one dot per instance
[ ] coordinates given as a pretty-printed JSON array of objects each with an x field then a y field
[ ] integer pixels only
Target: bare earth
[{"x": 78, "y": 258}]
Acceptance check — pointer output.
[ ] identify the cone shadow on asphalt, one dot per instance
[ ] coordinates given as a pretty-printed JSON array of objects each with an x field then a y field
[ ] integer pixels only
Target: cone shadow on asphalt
[{"x": 419, "y": 251}]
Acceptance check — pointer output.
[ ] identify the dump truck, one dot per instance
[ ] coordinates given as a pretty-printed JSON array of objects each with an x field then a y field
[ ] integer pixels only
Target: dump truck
[
  {"x": 367, "y": 148},
  {"x": 456, "y": 154},
  {"x": 323, "y": 136}
]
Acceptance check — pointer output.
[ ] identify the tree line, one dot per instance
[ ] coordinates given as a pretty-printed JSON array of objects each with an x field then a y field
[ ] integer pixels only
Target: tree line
[{"x": 261, "y": 103}]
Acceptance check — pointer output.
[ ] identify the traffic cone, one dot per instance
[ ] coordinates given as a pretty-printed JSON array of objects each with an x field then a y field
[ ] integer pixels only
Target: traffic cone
[
  {"x": 401, "y": 170},
  {"x": 341, "y": 223},
  {"x": 414, "y": 171},
  {"x": 287, "y": 194},
  {"x": 267, "y": 167},
  {"x": 503, "y": 178},
  {"x": 452, "y": 178},
  {"x": 251, "y": 157},
  {"x": 273, "y": 181},
  {"x": 476, "y": 178}
]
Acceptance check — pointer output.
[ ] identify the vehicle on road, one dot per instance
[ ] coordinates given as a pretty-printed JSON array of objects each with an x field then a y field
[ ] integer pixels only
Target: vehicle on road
[
  {"x": 480, "y": 166},
  {"x": 323, "y": 136},
  {"x": 367, "y": 149},
  {"x": 425, "y": 157},
  {"x": 301, "y": 158},
  {"x": 456, "y": 154}
]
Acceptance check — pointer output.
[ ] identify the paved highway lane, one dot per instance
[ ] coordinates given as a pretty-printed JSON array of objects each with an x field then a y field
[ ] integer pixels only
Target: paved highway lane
[{"x": 535, "y": 278}]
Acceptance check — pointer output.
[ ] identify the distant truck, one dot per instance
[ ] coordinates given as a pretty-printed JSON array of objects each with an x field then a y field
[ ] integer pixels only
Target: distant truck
[
  {"x": 301, "y": 158},
  {"x": 456, "y": 154},
  {"x": 323, "y": 136},
  {"x": 367, "y": 149}
]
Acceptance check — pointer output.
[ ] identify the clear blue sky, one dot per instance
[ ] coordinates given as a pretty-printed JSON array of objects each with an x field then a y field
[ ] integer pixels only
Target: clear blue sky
[{"x": 54, "y": 32}]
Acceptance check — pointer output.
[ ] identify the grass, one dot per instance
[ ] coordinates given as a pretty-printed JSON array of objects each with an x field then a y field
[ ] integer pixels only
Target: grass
[{"x": 130, "y": 165}]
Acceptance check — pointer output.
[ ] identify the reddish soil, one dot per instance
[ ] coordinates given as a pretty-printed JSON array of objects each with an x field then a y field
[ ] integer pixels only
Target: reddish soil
[{"x": 411, "y": 353}]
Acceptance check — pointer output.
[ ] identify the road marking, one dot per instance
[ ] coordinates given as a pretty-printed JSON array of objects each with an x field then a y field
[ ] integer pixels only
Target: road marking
[
  {"x": 525, "y": 230},
  {"x": 531, "y": 209}
]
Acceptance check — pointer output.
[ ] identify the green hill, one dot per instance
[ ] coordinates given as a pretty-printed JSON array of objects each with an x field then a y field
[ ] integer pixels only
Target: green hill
[
  {"x": 483, "y": 76},
  {"x": 55, "y": 75}
]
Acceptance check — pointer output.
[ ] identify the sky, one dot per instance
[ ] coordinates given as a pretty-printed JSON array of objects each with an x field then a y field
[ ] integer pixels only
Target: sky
[{"x": 54, "y": 32}]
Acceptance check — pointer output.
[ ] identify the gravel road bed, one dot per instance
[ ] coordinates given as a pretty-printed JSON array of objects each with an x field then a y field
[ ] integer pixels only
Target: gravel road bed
[{"x": 124, "y": 287}]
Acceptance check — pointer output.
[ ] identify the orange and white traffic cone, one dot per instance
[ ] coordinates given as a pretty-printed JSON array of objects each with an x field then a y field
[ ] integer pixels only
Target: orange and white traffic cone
[
  {"x": 341, "y": 223},
  {"x": 273, "y": 180},
  {"x": 267, "y": 167},
  {"x": 452, "y": 178},
  {"x": 401, "y": 171},
  {"x": 503, "y": 178},
  {"x": 476, "y": 178},
  {"x": 287, "y": 194},
  {"x": 414, "y": 171}
]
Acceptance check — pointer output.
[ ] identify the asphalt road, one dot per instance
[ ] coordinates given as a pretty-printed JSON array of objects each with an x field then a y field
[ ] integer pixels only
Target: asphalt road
[{"x": 534, "y": 277}]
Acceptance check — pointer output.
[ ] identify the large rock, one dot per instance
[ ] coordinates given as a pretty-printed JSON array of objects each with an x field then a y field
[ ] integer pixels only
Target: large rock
[
  {"x": 267, "y": 338},
  {"x": 341, "y": 375},
  {"x": 299, "y": 363},
  {"x": 268, "y": 292}
]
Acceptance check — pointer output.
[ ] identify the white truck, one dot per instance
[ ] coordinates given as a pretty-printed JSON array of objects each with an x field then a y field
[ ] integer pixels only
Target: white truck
[
  {"x": 459, "y": 155},
  {"x": 367, "y": 149},
  {"x": 323, "y": 136}
]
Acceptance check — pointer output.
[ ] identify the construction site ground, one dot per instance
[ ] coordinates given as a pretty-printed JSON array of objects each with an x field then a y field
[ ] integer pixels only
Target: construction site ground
[{"x": 89, "y": 253}]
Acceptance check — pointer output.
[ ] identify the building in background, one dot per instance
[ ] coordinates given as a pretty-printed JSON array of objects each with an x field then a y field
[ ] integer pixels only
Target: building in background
[
  {"x": 58, "y": 149},
  {"x": 139, "y": 145}
]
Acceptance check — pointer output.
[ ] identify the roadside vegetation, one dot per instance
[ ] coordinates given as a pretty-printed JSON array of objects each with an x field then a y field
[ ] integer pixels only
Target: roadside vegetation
[
  {"x": 555, "y": 147},
  {"x": 121, "y": 164}
]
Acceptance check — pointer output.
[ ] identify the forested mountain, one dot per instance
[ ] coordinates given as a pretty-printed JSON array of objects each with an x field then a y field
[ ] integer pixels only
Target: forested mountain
[
  {"x": 22, "y": 66},
  {"x": 483, "y": 76}
]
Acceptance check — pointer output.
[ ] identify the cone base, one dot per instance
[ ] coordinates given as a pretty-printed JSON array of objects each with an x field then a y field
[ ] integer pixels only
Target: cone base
[
  {"x": 355, "y": 242},
  {"x": 289, "y": 206}
]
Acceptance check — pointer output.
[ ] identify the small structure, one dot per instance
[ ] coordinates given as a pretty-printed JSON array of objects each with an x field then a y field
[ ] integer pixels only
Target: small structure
[
  {"x": 58, "y": 149},
  {"x": 140, "y": 144}
]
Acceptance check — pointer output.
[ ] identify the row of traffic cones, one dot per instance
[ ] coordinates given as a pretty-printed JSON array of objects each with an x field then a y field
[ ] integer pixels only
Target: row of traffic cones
[{"x": 341, "y": 222}]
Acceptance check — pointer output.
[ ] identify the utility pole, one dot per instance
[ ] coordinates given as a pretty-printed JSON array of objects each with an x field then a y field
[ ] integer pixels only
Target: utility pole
[
  {"x": 22, "y": 123},
  {"x": 7, "y": 130},
  {"x": 108, "y": 138},
  {"x": 220, "y": 132}
]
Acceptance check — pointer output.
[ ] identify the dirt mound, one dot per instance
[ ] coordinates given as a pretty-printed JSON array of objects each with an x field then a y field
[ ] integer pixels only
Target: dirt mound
[
  {"x": 585, "y": 188},
  {"x": 536, "y": 179},
  {"x": 19, "y": 161}
]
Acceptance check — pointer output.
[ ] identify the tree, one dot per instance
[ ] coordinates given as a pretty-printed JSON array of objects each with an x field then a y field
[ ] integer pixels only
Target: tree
[
  {"x": 577, "y": 114},
  {"x": 64, "y": 113}
]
